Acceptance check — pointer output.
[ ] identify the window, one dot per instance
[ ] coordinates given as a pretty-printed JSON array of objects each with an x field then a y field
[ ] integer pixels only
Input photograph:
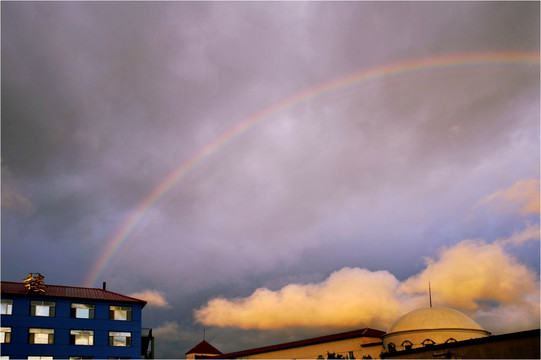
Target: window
[
  {"x": 120, "y": 313},
  {"x": 42, "y": 308},
  {"x": 7, "y": 306},
  {"x": 82, "y": 311},
  {"x": 40, "y": 336},
  {"x": 392, "y": 347},
  {"x": 5, "y": 335},
  {"x": 351, "y": 356},
  {"x": 82, "y": 337},
  {"x": 40, "y": 358},
  {"x": 428, "y": 342},
  {"x": 407, "y": 345},
  {"x": 81, "y": 358},
  {"x": 117, "y": 338}
]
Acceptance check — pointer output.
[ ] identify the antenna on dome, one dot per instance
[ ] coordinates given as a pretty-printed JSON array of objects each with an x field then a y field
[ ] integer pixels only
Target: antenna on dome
[
  {"x": 429, "y": 294},
  {"x": 204, "y": 331}
]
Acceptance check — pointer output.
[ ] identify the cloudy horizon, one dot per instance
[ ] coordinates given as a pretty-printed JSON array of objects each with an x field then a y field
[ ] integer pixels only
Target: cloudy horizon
[{"x": 228, "y": 162}]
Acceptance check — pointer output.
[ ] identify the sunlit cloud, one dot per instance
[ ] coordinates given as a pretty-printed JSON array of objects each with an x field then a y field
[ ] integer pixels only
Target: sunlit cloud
[
  {"x": 152, "y": 297},
  {"x": 530, "y": 233},
  {"x": 474, "y": 272},
  {"x": 522, "y": 196},
  {"x": 354, "y": 296},
  {"x": 473, "y": 276}
]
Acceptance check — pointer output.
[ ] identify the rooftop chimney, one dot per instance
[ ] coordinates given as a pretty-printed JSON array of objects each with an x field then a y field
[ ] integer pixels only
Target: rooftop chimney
[{"x": 104, "y": 285}]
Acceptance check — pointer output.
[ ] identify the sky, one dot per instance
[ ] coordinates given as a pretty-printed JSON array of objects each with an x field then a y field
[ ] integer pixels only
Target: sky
[{"x": 263, "y": 172}]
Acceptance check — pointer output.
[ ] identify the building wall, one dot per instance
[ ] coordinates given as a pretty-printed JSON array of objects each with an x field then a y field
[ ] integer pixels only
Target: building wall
[
  {"x": 522, "y": 345},
  {"x": 341, "y": 347},
  {"x": 439, "y": 336},
  {"x": 21, "y": 320}
]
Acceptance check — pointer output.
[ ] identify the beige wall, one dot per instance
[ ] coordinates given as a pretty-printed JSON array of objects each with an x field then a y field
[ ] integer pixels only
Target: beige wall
[
  {"x": 341, "y": 347},
  {"x": 439, "y": 336}
]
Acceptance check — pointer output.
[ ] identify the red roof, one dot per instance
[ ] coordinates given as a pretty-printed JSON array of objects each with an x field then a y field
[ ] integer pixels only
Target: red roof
[
  {"x": 366, "y": 332},
  {"x": 71, "y": 292},
  {"x": 204, "y": 348}
]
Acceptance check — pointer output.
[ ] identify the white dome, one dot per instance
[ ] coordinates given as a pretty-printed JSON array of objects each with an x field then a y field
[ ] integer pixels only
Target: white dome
[
  {"x": 433, "y": 318},
  {"x": 433, "y": 325}
]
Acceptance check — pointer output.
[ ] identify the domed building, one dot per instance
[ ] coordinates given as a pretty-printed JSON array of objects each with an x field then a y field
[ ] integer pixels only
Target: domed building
[{"x": 430, "y": 326}]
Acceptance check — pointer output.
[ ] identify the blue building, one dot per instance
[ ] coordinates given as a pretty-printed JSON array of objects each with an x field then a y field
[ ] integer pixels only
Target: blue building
[{"x": 63, "y": 322}]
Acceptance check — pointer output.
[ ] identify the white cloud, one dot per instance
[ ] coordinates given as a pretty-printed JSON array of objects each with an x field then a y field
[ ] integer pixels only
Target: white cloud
[
  {"x": 152, "y": 297},
  {"x": 473, "y": 276}
]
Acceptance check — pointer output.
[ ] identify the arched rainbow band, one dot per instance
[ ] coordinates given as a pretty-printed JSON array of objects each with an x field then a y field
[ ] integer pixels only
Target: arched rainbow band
[{"x": 483, "y": 60}]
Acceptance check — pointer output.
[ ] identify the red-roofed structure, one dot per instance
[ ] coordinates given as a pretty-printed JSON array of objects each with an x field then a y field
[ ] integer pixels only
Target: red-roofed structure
[
  {"x": 202, "y": 350},
  {"x": 357, "y": 343},
  {"x": 69, "y": 292}
]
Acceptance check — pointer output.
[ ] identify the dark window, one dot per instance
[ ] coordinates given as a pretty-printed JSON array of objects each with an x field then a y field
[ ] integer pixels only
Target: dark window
[
  {"x": 407, "y": 345},
  {"x": 428, "y": 342}
]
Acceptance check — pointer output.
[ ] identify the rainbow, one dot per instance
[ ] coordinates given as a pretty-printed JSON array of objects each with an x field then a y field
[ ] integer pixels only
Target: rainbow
[{"x": 463, "y": 61}]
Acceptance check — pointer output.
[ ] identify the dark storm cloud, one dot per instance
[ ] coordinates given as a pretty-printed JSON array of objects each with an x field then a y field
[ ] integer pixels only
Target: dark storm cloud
[{"x": 102, "y": 101}]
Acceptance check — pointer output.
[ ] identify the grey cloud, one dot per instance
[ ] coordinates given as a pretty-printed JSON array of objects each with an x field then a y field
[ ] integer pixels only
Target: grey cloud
[{"x": 102, "y": 101}]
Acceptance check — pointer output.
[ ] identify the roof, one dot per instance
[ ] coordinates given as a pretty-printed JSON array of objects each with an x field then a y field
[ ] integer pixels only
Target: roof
[
  {"x": 433, "y": 318},
  {"x": 366, "y": 332},
  {"x": 69, "y": 292},
  {"x": 204, "y": 348}
]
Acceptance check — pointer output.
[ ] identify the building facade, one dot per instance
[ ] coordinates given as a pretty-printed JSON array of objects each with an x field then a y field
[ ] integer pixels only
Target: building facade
[
  {"x": 427, "y": 333},
  {"x": 356, "y": 344},
  {"x": 65, "y": 322}
]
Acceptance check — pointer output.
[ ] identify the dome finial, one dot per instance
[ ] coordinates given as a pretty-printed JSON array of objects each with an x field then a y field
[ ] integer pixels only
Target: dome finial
[{"x": 429, "y": 294}]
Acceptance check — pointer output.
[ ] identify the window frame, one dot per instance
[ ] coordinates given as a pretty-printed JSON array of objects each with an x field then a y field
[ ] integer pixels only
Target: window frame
[
  {"x": 5, "y": 337},
  {"x": 32, "y": 336},
  {"x": 6, "y": 304},
  {"x": 127, "y": 338},
  {"x": 84, "y": 306},
  {"x": 115, "y": 310},
  {"x": 82, "y": 332},
  {"x": 50, "y": 305}
]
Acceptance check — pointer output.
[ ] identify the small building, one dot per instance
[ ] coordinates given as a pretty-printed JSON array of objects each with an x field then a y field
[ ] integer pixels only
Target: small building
[
  {"x": 52, "y": 321},
  {"x": 203, "y": 350},
  {"x": 356, "y": 344},
  {"x": 427, "y": 333}
]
